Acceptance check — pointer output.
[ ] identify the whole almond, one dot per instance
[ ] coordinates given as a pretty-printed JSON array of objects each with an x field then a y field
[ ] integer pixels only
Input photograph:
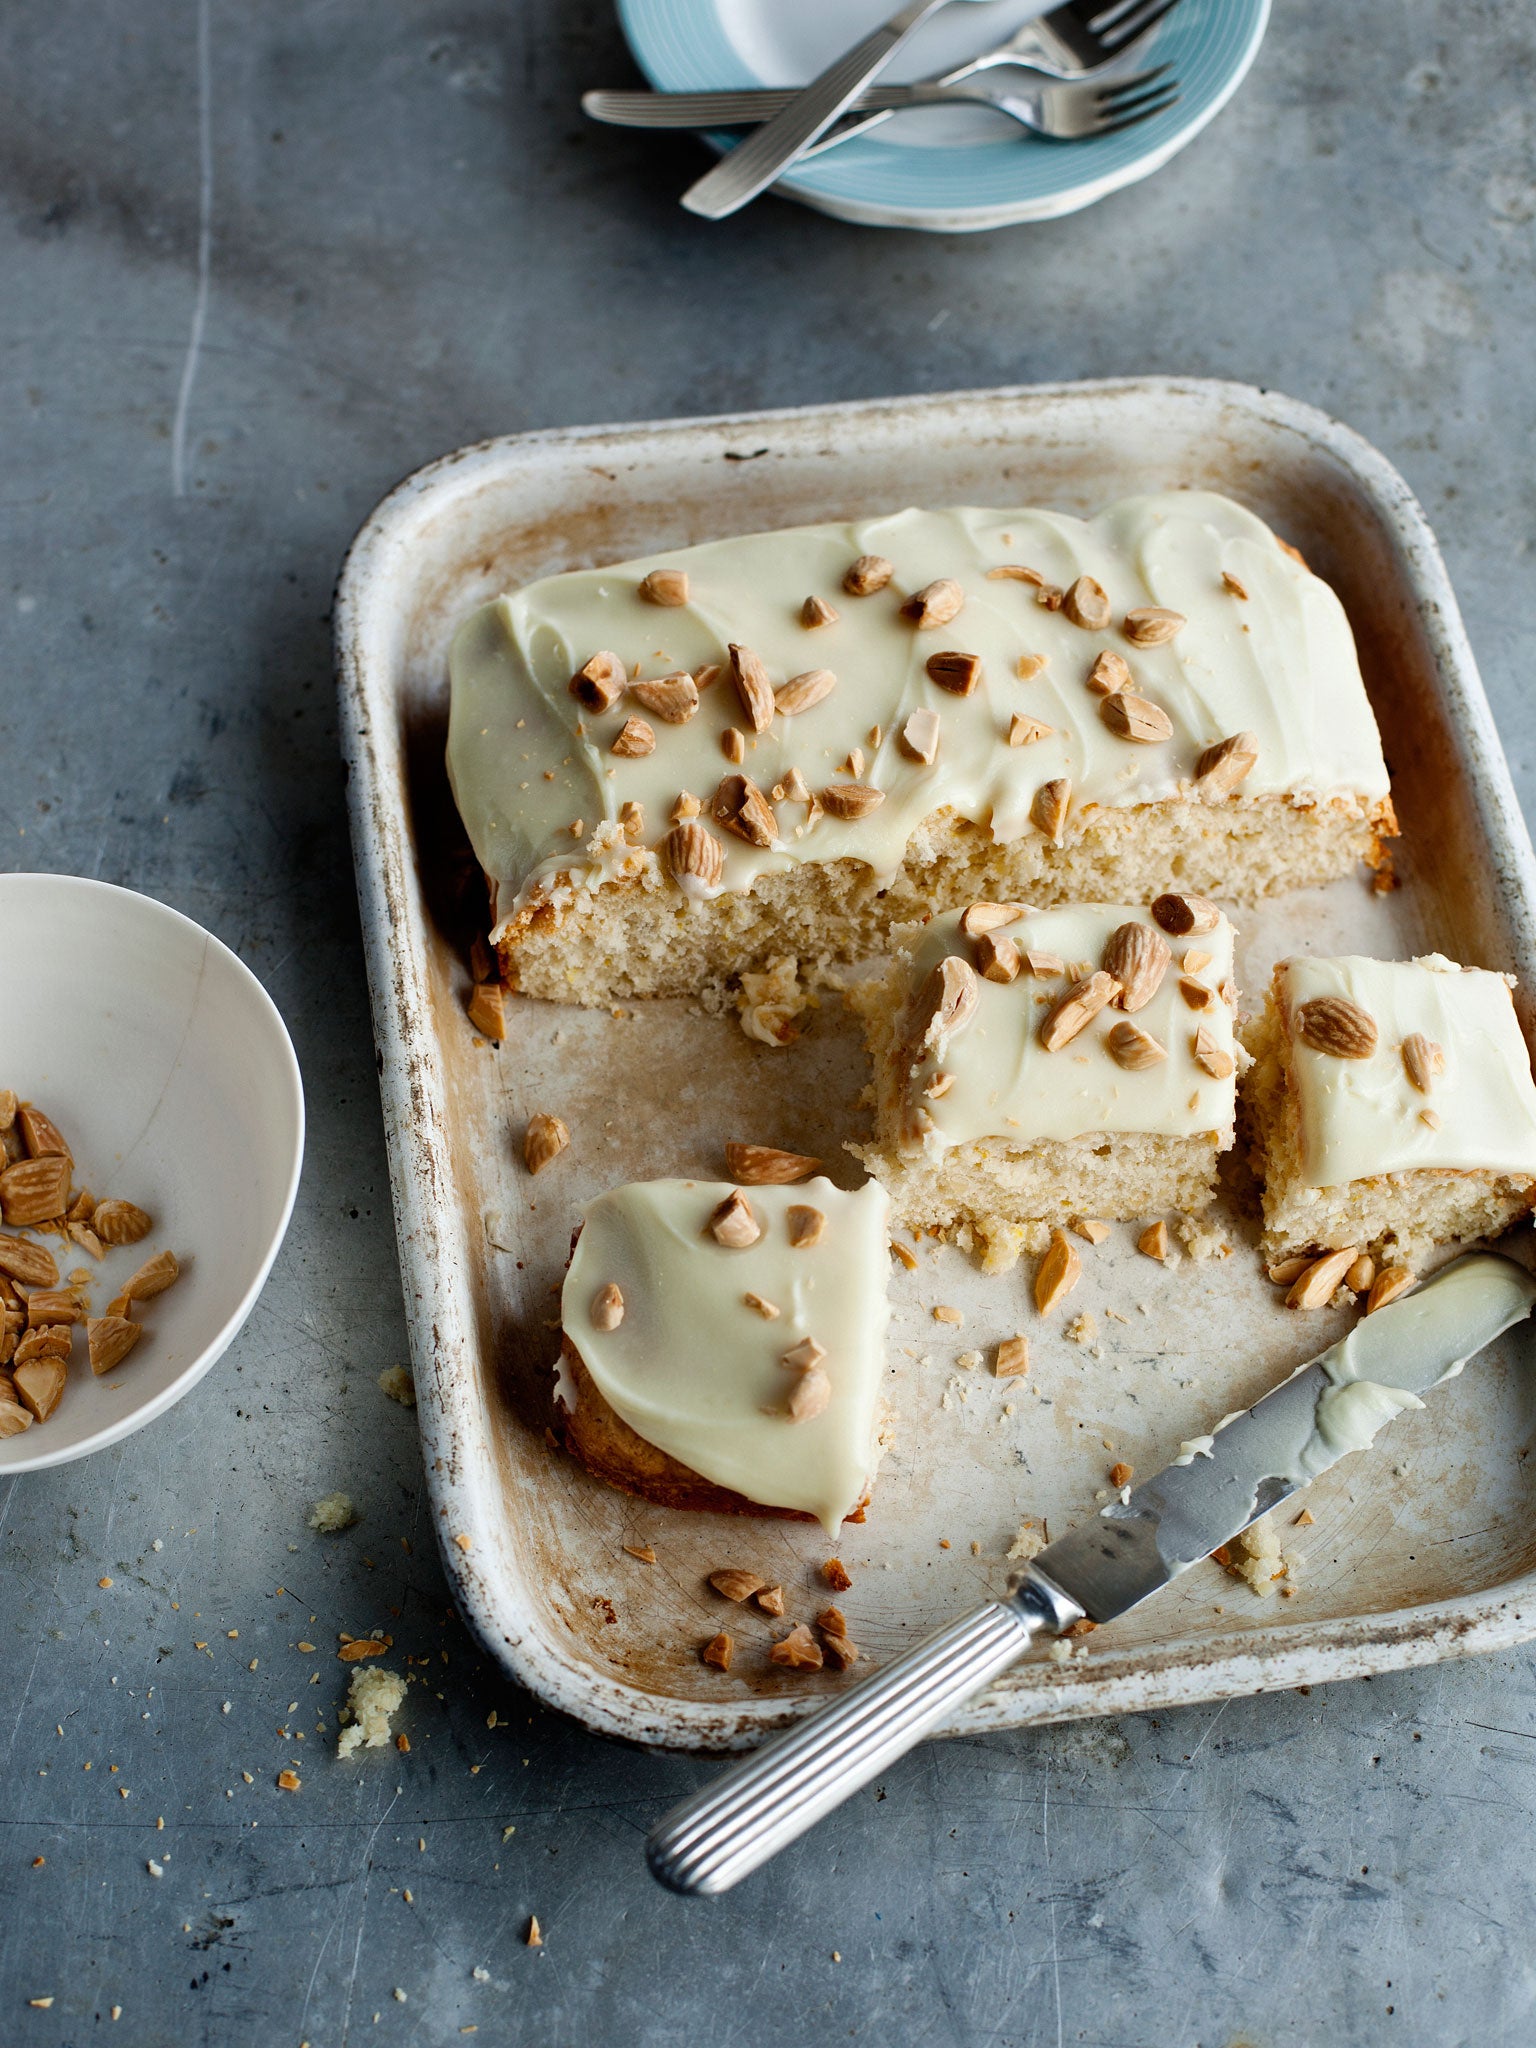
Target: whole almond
[
  {"x": 119, "y": 1222},
  {"x": 1076, "y": 1009},
  {"x": 989, "y": 917},
  {"x": 867, "y": 575},
  {"x": 1152, "y": 625},
  {"x": 935, "y": 604},
  {"x": 997, "y": 957},
  {"x": 1316, "y": 1287},
  {"x": 35, "y": 1190},
  {"x": 752, "y": 687},
  {"x": 1048, "y": 812},
  {"x": 1135, "y": 718},
  {"x": 733, "y": 1224},
  {"x": 1110, "y": 672},
  {"x": 766, "y": 1165},
  {"x": 1086, "y": 604},
  {"x": 32, "y": 1264},
  {"x": 1182, "y": 915},
  {"x": 851, "y": 799},
  {"x": 40, "y": 1134},
  {"x": 1361, "y": 1275},
  {"x": 544, "y": 1140},
  {"x": 673, "y": 699},
  {"x": 1389, "y": 1283},
  {"x": 1423, "y": 1060},
  {"x": 1058, "y": 1272},
  {"x": 665, "y": 587},
  {"x": 607, "y": 1309},
  {"x": 958, "y": 673},
  {"x": 599, "y": 682},
  {"x": 1137, "y": 956},
  {"x": 694, "y": 858},
  {"x": 1024, "y": 731},
  {"x": 919, "y": 739},
  {"x": 802, "y": 691},
  {"x": 1132, "y": 1048},
  {"x": 817, "y": 612},
  {"x": 1335, "y": 1025},
  {"x": 634, "y": 740},
  {"x": 108, "y": 1341}
]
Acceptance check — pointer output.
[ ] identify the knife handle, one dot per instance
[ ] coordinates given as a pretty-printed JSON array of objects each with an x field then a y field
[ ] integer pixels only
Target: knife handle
[
  {"x": 758, "y": 1807},
  {"x": 753, "y": 165}
]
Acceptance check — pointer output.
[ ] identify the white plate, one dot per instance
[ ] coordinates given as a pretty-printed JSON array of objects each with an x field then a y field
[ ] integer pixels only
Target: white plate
[
  {"x": 164, "y": 1062},
  {"x": 953, "y": 170}
]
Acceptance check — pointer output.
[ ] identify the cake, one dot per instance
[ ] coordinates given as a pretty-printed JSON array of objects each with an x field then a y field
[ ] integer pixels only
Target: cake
[
  {"x": 1390, "y": 1107},
  {"x": 723, "y": 1346},
  {"x": 1036, "y": 1066},
  {"x": 785, "y": 745}
]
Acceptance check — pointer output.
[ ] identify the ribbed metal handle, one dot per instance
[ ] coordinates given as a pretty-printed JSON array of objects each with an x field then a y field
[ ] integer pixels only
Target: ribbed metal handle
[{"x": 723, "y": 1833}]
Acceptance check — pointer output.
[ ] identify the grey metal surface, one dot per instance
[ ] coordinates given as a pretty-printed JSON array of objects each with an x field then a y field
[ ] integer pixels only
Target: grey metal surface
[{"x": 408, "y": 236}]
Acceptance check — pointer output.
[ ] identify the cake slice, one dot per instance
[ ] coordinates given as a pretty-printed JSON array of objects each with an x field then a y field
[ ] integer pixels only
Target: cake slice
[
  {"x": 723, "y": 1346},
  {"x": 1390, "y": 1107},
  {"x": 786, "y": 744},
  {"x": 1033, "y": 1066}
]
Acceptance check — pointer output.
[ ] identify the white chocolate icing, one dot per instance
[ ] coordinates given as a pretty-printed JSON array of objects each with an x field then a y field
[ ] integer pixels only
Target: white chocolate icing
[
  {"x": 1005, "y": 1085},
  {"x": 696, "y": 1371},
  {"x": 541, "y": 793},
  {"x": 1359, "y": 1118}
]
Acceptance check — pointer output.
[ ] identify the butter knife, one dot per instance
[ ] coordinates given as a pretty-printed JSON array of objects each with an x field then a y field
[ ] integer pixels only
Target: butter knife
[
  {"x": 1134, "y": 1547},
  {"x": 753, "y": 165}
]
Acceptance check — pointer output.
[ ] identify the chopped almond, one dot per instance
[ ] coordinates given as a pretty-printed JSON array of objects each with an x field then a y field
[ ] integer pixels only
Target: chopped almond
[
  {"x": 1059, "y": 1272},
  {"x": 153, "y": 1277},
  {"x": 1012, "y": 1360},
  {"x": 718, "y": 1651},
  {"x": 732, "y": 1583},
  {"x": 770, "y": 1599},
  {"x": 766, "y": 1165},
  {"x": 1154, "y": 1240},
  {"x": 487, "y": 1010},
  {"x": 544, "y": 1140},
  {"x": 799, "y": 1650},
  {"x": 732, "y": 1223}
]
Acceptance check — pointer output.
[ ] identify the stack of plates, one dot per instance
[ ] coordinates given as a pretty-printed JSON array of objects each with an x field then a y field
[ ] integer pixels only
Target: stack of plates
[{"x": 950, "y": 169}]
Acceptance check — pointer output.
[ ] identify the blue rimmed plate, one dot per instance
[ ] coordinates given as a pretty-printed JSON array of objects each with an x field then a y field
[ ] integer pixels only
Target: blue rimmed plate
[{"x": 948, "y": 169}]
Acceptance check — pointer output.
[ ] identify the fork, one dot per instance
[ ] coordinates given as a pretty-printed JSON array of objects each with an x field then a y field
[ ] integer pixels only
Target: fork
[
  {"x": 1069, "y": 43},
  {"x": 732, "y": 109},
  {"x": 1060, "y": 113}
]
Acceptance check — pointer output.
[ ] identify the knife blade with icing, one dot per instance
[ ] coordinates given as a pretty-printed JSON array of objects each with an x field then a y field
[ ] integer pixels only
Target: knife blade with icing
[{"x": 1134, "y": 1547}]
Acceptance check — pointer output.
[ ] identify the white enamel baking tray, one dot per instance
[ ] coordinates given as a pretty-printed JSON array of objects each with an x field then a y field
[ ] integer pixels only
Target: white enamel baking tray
[{"x": 1421, "y": 1550}]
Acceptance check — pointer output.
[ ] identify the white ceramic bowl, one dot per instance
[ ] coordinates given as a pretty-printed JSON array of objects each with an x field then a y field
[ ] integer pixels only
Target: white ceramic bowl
[{"x": 167, "y": 1067}]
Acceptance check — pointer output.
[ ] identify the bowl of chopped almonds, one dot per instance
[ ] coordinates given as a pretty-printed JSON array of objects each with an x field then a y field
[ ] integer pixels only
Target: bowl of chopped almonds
[{"x": 151, "y": 1135}]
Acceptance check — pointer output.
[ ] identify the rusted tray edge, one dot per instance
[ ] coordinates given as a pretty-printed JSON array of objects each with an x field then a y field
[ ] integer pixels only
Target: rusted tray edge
[{"x": 459, "y": 1467}]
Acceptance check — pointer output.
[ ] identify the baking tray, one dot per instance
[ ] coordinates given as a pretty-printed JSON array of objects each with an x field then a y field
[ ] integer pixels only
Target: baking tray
[{"x": 1424, "y": 1550}]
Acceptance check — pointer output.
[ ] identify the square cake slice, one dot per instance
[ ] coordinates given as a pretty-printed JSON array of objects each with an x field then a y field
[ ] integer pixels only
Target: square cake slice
[
  {"x": 1032, "y": 1066},
  {"x": 1390, "y": 1107},
  {"x": 724, "y": 1347},
  {"x": 784, "y": 745}
]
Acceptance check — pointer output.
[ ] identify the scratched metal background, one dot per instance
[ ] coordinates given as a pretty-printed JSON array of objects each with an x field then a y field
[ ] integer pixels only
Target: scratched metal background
[{"x": 239, "y": 297}]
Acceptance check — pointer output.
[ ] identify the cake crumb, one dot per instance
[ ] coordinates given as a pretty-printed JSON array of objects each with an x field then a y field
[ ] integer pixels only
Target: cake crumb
[
  {"x": 373, "y": 1696},
  {"x": 770, "y": 1003},
  {"x": 1084, "y": 1329},
  {"x": 335, "y": 1512},
  {"x": 397, "y": 1382},
  {"x": 1028, "y": 1543}
]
